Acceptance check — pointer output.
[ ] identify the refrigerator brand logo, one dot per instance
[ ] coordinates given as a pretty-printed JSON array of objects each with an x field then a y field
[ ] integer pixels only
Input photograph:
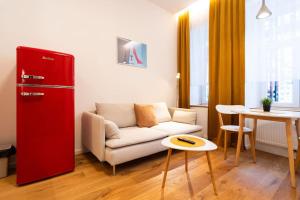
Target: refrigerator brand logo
[{"x": 47, "y": 58}]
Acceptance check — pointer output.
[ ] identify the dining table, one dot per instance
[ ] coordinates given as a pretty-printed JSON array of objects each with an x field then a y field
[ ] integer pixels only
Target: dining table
[{"x": 287, "y": 117}]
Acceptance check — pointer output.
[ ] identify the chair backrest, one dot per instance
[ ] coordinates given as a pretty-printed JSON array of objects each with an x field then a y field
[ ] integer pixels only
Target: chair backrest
[{"x": 229, "y": 109}]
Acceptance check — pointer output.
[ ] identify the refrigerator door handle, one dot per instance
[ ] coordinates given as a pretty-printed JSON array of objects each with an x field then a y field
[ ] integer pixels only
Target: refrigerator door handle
[
  {"x": 26, "y": 94},
  {"x": 26, "y": 76}
]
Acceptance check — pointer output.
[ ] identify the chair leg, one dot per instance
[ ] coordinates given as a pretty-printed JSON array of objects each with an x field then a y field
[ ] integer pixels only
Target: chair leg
[
  {"x": 297, "y": 163},
  {"x": 225, "y": 145},
  {"x": 219, "y": 137},
  {"x": 251, "y": 138}
]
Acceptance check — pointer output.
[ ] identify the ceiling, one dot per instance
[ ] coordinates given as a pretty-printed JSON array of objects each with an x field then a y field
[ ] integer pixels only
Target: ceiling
[{"x": 173, "y": 6}]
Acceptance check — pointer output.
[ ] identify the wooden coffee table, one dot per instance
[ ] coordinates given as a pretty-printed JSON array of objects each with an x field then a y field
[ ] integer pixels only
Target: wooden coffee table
[{"x": 201, "y": 144}]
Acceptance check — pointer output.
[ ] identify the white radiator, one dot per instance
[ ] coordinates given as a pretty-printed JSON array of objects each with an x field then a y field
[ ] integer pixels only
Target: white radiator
[{"x": 272, "y": 133}]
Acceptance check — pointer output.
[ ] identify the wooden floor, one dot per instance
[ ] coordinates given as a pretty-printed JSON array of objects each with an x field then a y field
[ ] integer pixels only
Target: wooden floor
[{"x": 141, "y": 179}]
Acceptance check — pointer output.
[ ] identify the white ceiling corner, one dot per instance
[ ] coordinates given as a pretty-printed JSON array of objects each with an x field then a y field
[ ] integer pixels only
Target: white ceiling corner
[{"x": 173, "y": 6}]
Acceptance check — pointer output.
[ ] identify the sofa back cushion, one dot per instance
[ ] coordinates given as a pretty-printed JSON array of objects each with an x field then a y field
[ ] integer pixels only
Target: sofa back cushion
[
  {"x": 162, "y": 112},
  {"x": 145, "y": 115},
  {"x": 122, "y": 114}
]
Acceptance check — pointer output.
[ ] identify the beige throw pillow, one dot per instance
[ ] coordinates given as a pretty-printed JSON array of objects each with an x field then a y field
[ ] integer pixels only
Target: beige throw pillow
[
  {"x": 186, "y": 117},
  {"x": 162, "y": 112},
  {"x": 145, "y": 115},
  {"x": 112, "y": 131}
]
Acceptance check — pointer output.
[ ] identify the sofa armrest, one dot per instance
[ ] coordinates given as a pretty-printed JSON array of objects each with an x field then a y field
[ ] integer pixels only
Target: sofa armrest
[
  {"x": 172, "y": 110},
  {"x": 93, "y": 134},
  {"x": 188, "y": 116}
]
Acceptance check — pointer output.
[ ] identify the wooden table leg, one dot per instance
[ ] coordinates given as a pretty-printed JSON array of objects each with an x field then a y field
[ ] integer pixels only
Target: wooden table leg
[
  {"x": 240, "y": 137},
  {"x": 251, "y": 138},
  {"x": 298, "y": 137},
  {"x": 166, "y": 167},
  {"x": 186, "y": 160},
  {"x": 211, "y": 172},
  {"x": 254, "y": 130},
  {"x": 288, "y": 127}
]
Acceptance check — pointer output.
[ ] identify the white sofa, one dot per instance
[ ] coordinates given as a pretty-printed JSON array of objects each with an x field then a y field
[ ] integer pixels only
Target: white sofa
[{"x": 134, "y": 142}]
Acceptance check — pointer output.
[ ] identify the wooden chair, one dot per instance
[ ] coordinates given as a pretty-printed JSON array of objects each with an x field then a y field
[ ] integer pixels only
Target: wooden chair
[
  {"x": 297, "y": 162},
  {"x": 228, "y": 129}
]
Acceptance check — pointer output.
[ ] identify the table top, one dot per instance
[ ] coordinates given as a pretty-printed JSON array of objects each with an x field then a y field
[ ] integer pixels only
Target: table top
[
  {"x": 208, "y": 145},
  {"x": 272, "y": 113}
]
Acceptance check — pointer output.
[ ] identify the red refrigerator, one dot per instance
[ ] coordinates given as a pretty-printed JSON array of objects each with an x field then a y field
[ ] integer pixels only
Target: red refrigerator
[{"x": 45, "y": 114}]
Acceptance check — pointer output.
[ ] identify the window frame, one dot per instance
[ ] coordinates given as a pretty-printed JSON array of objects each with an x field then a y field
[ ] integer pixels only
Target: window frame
[{"x": 296, "y": 97}]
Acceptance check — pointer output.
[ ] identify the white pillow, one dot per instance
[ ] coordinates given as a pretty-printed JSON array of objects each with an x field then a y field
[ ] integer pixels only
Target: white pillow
[
  {"x": 162, "y": 112},
  {"x": 186, "y": 117},
  {"x": 112, "y": 131}
]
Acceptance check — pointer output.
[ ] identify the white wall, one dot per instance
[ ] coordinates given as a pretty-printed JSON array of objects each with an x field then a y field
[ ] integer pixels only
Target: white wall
[{"x": 88, "y": 30}]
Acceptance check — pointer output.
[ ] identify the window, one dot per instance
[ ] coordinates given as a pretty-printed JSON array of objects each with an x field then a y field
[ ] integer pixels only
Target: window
[
  {"x": 284, "y": 93},
  {"x": 199, "y": 13},
  {"x": 272, "y": 53}
]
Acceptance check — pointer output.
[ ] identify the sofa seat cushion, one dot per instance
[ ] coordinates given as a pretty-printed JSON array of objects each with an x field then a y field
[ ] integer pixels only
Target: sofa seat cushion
[
  {"x": 135, "y": 135},
  {"x": 175, "y": 128}
]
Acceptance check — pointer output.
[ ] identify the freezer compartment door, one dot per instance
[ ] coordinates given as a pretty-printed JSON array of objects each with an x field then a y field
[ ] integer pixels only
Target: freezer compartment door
[
  {"x": 45, "y": 133},
  {"x": 37, "y": 66}
]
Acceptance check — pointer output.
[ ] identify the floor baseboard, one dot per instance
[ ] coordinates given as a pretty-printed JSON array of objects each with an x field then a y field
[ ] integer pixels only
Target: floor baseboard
[{"x": 276, "y": 150}]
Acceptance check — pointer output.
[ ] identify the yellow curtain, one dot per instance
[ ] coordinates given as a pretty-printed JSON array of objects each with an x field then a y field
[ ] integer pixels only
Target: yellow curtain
[
  {"x": 183, "y": 59},
  {"x": 226, "y": 58}
]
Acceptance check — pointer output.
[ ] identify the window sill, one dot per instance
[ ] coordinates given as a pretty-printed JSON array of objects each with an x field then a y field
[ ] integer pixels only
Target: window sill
[
  {"x": 200, "y": 106},
  {"x": 292, "y": 109}
]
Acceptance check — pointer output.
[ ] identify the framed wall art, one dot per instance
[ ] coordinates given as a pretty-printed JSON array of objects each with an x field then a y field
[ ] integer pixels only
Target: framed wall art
[{"x": 132, "y": 53}]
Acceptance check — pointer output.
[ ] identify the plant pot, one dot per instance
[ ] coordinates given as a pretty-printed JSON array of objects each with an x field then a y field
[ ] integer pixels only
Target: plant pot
[{"x": 267, "y": 108}]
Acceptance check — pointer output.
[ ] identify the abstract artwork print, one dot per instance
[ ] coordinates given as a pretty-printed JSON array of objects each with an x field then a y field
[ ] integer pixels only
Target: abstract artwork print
[{"x": 132, "y": 53}]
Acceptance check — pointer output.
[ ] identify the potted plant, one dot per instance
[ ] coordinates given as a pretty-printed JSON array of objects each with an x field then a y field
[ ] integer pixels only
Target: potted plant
[{"x": 266, "y": 102}]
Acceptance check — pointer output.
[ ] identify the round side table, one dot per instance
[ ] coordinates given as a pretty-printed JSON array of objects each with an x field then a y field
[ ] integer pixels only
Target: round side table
[{"x": 201, "y": 144}]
